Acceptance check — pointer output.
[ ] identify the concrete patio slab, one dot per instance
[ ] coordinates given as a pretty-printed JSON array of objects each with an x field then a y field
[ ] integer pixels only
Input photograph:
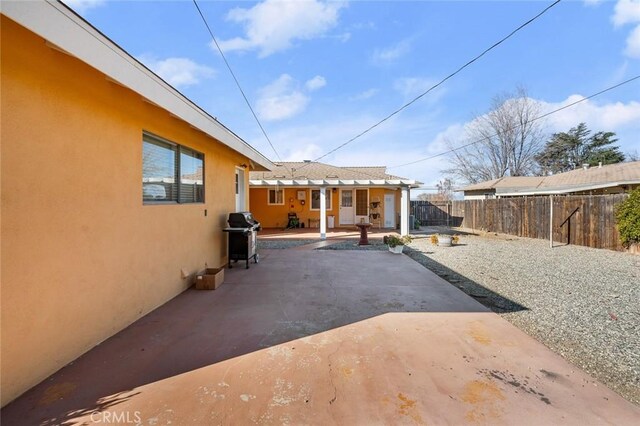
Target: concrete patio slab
[
  {"x": 400, "y": 368},
  {"x": 321, "y": 337},
  {"x": 314, "y": 233}
]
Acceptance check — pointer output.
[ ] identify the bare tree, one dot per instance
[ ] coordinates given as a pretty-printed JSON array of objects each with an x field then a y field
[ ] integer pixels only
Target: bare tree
[
  {"x": 445, "y": 189},
  {"x": 503, "y": 142}
]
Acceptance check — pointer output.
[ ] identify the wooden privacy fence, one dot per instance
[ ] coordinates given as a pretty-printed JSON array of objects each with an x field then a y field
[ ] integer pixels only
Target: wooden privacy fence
[
  {"x": 433, "y": 213},
  {"x": 586, "y": 220}
]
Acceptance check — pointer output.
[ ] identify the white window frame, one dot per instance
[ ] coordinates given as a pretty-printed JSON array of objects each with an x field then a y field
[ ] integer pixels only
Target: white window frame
[
  {"x": 329, "y": 204},
  {"x": 269, "y": 203}
]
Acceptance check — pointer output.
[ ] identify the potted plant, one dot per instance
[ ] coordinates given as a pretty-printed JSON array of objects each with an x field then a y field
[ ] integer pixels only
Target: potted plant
[
  {"x": 396, "y": 243},
  {"x": 444, "y": 240}
]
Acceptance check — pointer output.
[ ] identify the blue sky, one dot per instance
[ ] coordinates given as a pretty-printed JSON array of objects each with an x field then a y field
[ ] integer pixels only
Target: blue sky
[{"x": 317, "y": 73}]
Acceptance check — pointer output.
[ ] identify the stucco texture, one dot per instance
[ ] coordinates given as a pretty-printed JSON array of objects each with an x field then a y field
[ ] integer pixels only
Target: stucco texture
[
  {"x": 276, "y": 216},
  {"x": 82, "y": 256}
]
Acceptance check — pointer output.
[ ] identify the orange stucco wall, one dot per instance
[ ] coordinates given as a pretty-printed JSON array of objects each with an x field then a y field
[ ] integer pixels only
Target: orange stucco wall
[
  {"x": 275, "y": 216},
  {"x": 82, "y": 257}
]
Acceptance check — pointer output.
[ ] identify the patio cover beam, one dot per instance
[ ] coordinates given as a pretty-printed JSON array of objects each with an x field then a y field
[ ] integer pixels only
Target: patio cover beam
[
  {"x": 332, "y": 182},
  {"x": 404, "y": 211}
]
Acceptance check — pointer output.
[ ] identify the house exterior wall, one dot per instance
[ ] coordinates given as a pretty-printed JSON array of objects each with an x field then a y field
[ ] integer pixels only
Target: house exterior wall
[
  {"x": 82, "y": 257},
  {"x": 483, "y": 194},
  {"x": 276, "y": 216}
]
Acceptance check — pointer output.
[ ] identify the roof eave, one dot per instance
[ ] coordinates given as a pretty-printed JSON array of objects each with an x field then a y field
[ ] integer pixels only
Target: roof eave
[{"x": 567, "y": 189}]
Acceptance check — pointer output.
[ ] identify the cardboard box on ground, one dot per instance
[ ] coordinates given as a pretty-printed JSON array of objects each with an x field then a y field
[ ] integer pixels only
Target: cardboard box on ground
[{"x": 210, "y": 279}]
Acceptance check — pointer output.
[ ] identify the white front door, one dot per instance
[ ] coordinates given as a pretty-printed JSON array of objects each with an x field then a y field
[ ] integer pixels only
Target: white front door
[
  {"x": 389, "y": 210},
  {"x": 240, "y": 190},
  {"x": 346, "y": 207}
]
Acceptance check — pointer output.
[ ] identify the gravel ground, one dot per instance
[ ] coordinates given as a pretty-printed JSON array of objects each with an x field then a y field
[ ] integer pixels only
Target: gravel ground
[{"x": 582, "y": 303}]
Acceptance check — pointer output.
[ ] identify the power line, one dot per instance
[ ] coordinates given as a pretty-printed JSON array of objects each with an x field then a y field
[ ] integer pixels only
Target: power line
[
  {"x": 519, "y": 125},
  {"x": 439, "y": 83},
  {"x": 236, "y": 80}
]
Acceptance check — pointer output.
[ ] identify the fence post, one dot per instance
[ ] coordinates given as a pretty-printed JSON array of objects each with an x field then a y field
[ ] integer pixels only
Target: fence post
[{"x": 550, "y": 221}]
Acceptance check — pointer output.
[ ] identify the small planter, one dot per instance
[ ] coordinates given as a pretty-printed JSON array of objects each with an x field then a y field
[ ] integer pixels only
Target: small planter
[
  {"x": 397, "y": 249},
  {"x": 444, "y": 241},
  {"x": 396, "y": 243}
]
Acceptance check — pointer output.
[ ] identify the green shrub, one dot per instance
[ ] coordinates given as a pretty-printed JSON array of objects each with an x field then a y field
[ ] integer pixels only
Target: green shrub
[
  {"x": 628, "y": 219},
  {"x": 394, "y": 240}
]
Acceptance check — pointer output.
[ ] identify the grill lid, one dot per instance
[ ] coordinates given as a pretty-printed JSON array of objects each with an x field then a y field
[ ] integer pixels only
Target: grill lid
[{"x": 242, "y": 220}]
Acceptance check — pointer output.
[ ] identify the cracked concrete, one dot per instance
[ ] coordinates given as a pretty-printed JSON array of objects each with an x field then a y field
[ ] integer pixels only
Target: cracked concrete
[{"x": 322, "y": 337}]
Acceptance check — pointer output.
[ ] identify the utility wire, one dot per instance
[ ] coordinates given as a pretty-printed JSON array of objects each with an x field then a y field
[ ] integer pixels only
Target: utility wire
[
  {"x": 237, "y": 82},
  {"x": 519, "y": 125},
  {"x": 439, "y": 83}
]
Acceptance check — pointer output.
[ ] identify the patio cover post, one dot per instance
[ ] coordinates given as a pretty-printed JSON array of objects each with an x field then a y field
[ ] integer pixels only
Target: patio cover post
[
  {"x": 323, "y": 213},
  {"x": 404, "y": 211}
]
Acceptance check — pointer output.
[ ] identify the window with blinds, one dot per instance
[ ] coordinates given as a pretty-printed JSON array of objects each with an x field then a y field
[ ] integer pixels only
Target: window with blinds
[
  {"x": 276, "y": 197},
  {"x": 315, "y": 199},
  {"x": 171, "y": 173}
]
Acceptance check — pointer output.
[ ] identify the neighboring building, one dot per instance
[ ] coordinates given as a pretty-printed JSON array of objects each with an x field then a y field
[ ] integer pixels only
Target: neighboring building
[
  {"x": 353, "y": 195},
  {"x": 115, "y": 190},
  {"x": 610, "y": 179}
]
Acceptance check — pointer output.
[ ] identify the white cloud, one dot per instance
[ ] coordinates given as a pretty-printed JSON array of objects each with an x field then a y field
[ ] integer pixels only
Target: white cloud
[
  {"x": 605, "y": 117},
  {"x": 304, "y": 152},
  {"x": 281, "y": 99},
  {"x": 392, "y": 53},
  {"x": 316, "y": 83},
  {"x": 633, "y": 44},
  {"x": 179, "y": 72},
  {"x": 81, "y": 6},
  {"x": 273, "y": 25},
  {"x": 410, "y": 87},
  {"x": 367, "y": 94},
  {"x": 344, "y": 37},
  {"x": 626, "y": 12}
]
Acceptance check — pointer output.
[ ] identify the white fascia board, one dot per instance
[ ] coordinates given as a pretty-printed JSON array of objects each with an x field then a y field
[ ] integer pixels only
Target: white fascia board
[
  {"x": 565, "y": 189},
  {"x": 60, "y": 26},
  {"x": 325, "y": 182}
]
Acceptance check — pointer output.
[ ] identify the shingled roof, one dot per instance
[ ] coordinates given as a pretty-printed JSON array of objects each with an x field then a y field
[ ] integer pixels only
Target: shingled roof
[
  {"x": 321, "y": 171},
  {"x": 573, "y": 181}
]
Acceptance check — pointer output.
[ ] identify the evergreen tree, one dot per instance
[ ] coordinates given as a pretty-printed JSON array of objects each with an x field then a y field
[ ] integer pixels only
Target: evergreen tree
[{"x": 567, "y": 151}]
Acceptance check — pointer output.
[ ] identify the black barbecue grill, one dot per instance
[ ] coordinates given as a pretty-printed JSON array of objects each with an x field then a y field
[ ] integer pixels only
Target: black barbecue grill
[{"x": 242, "y": 230}]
